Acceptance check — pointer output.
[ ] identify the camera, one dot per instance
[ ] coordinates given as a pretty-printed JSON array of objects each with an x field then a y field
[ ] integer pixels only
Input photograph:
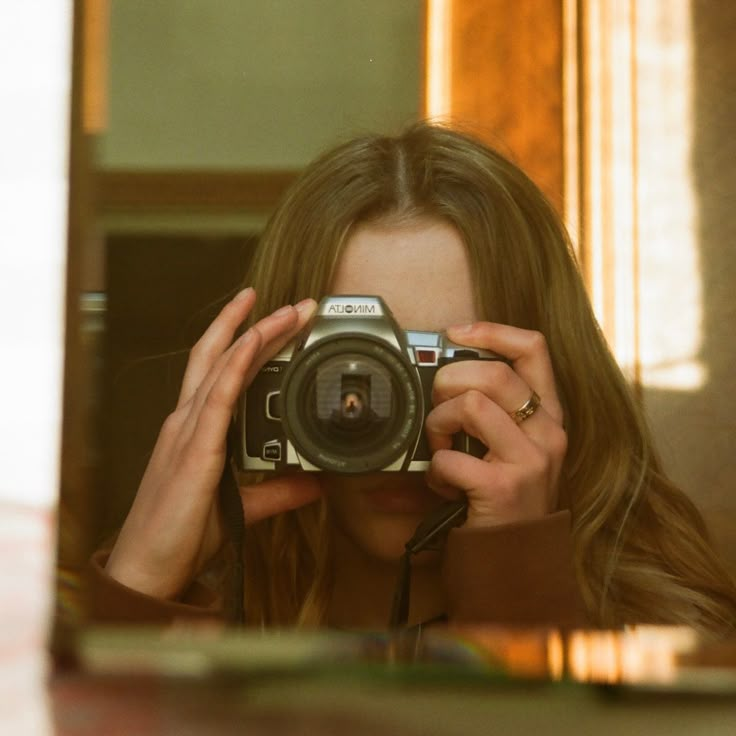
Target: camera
[{"x": 349, "y": 395}]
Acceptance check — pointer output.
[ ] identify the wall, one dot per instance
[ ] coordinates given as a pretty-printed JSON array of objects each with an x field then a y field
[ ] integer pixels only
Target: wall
[
  {"x": 233, "y": 84},
  {"x": 695, "y": 307}
]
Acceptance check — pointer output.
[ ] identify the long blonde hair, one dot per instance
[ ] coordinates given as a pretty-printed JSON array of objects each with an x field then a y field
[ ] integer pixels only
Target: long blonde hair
[{"x": 641, "y": 549}]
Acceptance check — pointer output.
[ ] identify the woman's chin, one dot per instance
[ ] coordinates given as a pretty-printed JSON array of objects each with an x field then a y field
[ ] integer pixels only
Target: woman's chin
[
  {"x": 379, "y": 513},
  {"x": 383, "y": 537}
]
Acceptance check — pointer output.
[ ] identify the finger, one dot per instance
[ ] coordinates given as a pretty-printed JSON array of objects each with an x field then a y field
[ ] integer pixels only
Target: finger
[
  {"x": 497, "y": 493},
  {"x": 214, "y": 342},
  {"x": 213, "y": 404},
  {"x": 477, "y": 415},
  {"x": 273, "y": 331},
  {"x": 276, "y": 495},
  {"x": 526, "y": 349},
  {"x": 496, "y": 379},
  {"x": 282, "y": 320},
  {"x": 209, "y": 419},
  {"x": 274, "y": 339},
  {"x": 459, "y": 471},
  {"x": 442, "y": 488}
]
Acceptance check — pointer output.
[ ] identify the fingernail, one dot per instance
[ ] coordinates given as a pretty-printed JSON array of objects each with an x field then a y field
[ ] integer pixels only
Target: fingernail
[
  {"x": 283, "y": 311},
  {"x": 461, "y": 329},
  {"x": 243, "y": 294},
  {"x": 305, "y": 305}
]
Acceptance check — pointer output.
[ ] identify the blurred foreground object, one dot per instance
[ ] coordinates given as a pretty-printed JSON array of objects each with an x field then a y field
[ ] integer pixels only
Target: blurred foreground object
[
  {"x": 465, "y": 681},
  {"x": 648, "y": 658}
]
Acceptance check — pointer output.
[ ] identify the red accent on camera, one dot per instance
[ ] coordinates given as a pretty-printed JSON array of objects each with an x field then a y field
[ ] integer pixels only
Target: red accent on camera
[{"x": 425, "y": 356}]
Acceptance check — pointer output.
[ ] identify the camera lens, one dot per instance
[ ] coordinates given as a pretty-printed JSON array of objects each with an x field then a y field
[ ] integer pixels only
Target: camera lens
[
  {"x": 351, "y": 405},
  {"x": 351, "y": 398}
]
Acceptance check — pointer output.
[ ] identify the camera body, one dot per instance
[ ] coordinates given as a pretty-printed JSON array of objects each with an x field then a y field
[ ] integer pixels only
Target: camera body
[{"x": 349, "y": 395}]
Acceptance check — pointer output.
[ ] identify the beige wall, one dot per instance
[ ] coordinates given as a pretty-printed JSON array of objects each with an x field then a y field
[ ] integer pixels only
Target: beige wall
[
  {"x": 658, "y": 226},
  {"x": 694, "y": 309}
]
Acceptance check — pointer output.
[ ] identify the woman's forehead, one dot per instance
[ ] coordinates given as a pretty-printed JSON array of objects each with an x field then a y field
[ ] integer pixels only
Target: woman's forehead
[{"x": 420, "y": 269}]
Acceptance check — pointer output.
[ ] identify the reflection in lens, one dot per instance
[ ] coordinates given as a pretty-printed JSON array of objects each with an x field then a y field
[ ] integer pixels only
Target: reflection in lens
[
  {"x": 352, "y": 400},
  {"x": 355, "y": 401},
  {"x": 353, "y": 406}
]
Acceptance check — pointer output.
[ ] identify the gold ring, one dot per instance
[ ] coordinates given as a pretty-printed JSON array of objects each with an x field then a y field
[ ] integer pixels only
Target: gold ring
[{"x": 527, "y": 408}]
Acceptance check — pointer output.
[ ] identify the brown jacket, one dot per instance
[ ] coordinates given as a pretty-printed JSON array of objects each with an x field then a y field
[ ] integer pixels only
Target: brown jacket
[{"x": 515, "y": 574}]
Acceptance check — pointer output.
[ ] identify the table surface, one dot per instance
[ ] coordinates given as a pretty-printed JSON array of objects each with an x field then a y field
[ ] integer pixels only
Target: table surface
[{"x": 83, "y": 706}]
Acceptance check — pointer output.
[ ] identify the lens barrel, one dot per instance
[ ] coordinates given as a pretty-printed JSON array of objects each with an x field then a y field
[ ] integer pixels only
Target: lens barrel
[{"x": 351, "y": 404}]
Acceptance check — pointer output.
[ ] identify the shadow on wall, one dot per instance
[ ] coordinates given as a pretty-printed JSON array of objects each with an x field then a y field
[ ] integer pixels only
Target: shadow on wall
[
  {"x": 697, "y": 430},
  {"x": 163, "y": 292}
]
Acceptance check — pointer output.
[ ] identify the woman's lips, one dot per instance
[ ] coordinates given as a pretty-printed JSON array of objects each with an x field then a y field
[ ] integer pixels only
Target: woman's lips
[{"x": 401, "y": 499}]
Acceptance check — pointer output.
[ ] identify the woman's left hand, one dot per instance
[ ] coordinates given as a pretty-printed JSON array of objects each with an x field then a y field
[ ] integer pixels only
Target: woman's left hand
[{"x": 517, "y": 479}]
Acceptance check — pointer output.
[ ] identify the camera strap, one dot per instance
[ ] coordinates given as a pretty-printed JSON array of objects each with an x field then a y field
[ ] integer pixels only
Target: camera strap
[
  {"x": 429, "y": 532},
  {"x": 232, "y": 514}
]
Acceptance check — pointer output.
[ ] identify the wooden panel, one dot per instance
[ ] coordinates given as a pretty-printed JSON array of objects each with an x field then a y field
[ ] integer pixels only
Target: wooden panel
[
  {"x": 79, "y": 472},
  {"x": 506, "y": 81},
  {"x": 203, "y": 191},
  {"x": 96, "y": 21}
]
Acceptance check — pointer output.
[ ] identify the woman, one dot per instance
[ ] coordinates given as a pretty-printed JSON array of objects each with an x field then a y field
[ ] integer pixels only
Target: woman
[{"x": 570, "y": 517}]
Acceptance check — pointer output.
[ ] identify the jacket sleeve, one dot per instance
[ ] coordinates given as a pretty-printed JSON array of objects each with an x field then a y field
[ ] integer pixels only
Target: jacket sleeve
[
  {"x": 514, "y": 574},
  {"x": 111, "y": 602}
]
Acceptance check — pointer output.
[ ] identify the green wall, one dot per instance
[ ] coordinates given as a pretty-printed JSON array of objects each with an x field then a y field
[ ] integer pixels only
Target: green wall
[{"x": 236, "y": 84}]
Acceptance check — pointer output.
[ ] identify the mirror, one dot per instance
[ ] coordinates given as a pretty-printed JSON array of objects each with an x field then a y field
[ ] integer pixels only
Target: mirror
[{"x": 212, "y": 110}]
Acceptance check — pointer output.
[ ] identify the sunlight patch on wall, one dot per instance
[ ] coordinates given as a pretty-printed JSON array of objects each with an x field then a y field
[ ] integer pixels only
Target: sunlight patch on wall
[
  {"x": 438, "y": 59},
  {"x": 670, "y": 300},
  {"x": 639, "y": 205}
]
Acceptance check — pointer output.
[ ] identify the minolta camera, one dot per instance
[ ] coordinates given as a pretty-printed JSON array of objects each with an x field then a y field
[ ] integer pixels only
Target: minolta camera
[{"x": 349, "y": 395}]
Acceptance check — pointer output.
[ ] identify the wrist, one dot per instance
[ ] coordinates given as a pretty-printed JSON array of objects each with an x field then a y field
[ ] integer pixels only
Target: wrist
[{"x": 137, "y": 577}]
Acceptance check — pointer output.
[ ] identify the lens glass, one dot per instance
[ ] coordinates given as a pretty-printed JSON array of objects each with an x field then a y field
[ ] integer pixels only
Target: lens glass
[{"x": 350, "y": 402}]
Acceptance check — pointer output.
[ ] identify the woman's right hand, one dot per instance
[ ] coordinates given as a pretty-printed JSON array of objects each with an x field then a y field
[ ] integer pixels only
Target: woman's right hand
[{"x": 174, "y": 525}]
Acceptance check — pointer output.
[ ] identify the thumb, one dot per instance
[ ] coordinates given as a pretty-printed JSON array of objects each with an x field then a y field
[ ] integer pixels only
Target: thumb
[{"x": 276, "y": 495}]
